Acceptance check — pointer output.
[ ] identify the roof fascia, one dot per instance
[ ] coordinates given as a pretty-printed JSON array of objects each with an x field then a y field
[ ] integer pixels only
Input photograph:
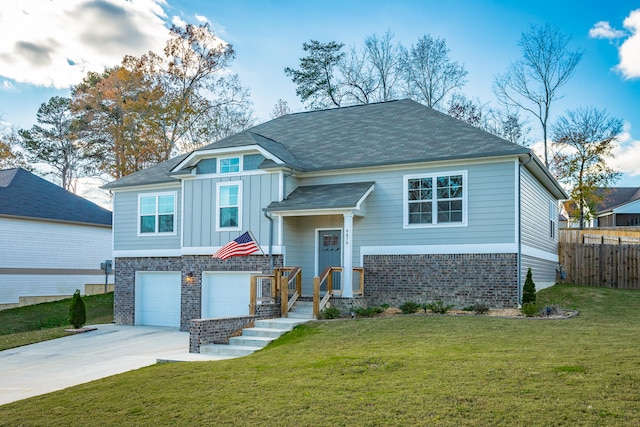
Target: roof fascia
[
  {"x": 55, "y": 221},
  {"x": 543, "y": 175},
  {"x": 148, "y": 187},
  {"x": 195, "y": 155}
]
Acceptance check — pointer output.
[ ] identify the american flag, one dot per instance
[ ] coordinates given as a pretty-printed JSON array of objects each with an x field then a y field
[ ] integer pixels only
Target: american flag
[{"x": 242, "y": 246}]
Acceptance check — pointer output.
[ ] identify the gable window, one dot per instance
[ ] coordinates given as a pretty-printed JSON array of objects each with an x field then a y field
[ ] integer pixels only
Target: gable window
[
  {"x": 229, "y": 196},
  {"x": 230, "y": 165},
  {"x": 435, "y": 199},
  {"x": 157, "y": 213},
  {"x": 206, "y": 166}
]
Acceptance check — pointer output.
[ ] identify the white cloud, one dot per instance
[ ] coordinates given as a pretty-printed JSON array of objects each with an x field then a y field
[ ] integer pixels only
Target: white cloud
[
  {"x": 55, "y": 44},
  {"x": 630, "y": 50},
  {"x": 627, "y": 154},
  {"x": 603, "y": 30},
  {"x": 202, "y": 19},
  {"x": 178, "y": 22},
  {"x": 6, "y": 85}
]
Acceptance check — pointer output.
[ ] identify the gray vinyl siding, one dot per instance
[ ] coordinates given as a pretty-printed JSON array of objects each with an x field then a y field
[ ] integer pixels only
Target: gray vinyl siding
[
  {"x": 536, "y": 230},
  {"x": 543, "y": 271},
  {"x": 125, "y": 222},
  {"x": 491, "y": 208},
  {"x": 258, "y": 190}
]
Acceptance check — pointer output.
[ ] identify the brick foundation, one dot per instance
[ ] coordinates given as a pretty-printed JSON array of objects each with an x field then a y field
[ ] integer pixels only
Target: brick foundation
[
  {"x": 459, "y": 279},
  {"x": 218, "y": 331},
  {"x": 191, "y": 292}
]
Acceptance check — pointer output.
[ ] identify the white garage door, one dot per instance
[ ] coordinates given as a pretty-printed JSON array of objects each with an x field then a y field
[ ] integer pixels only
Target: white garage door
[
  {"x": 225, "y": 294},
  {"x": 158, "y": 299}
]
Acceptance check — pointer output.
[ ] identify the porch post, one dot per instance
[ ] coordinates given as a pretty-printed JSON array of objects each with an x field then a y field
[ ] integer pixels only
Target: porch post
[{"x": 347, "y": 261}]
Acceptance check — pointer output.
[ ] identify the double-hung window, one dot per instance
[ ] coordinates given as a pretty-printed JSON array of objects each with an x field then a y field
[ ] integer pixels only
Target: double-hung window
[
  {"x": 229, "y": 210},
  {"x": 435, "y": 199},
  {"x": 157, "y": 213},
  {"x": 553, "y": 217}
]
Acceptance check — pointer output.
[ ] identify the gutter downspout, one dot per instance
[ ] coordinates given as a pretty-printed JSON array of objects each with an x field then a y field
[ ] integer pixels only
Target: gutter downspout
[
  {"x": 268, "y": 216},
  {"x": 520, "y": 226}
]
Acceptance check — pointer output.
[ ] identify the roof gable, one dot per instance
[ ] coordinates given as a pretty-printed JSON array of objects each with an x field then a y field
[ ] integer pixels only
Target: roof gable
[
  {"x": 613, "y": 197},
  {"x": 24, "y": 194}
]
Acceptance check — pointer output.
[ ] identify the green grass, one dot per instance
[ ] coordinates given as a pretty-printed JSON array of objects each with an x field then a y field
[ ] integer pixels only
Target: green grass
[
  {"x": 41, "y": 322},
  {"x": 405, "y": 370}
]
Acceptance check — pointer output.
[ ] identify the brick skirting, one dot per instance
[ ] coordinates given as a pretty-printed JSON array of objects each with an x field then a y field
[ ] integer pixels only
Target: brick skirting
[{"x": 459, "y": 279}]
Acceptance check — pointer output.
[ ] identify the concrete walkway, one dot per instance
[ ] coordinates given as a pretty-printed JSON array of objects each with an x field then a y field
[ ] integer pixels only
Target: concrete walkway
[{"x": 111, "y": 349}]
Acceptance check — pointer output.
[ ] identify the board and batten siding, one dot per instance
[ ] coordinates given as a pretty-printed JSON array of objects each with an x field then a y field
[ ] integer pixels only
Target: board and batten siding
[
  {"x": 125, "y": 222},
  {"x": 43, "y": 258},
  {"x": 258, "y": 190},
  {"x": 490, "y": 189}
]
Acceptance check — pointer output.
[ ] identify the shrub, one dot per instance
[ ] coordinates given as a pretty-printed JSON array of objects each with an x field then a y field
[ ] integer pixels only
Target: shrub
[
  {"x": 367, "y": 311},
  {"x": 481, "y": 308},
  {"x": 438, "y": 307},
  {"x": 410, "y": 307},
  {"x": 529, "y": 289},
  {"x": 530, "y": 309},
  {"x": 469, "y": 308},
  {"x": 330, "y": 313},
  {"x": 77, "y": 311}
]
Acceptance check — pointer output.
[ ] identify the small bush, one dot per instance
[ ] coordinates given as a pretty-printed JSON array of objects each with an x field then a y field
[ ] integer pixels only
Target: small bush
[
  {"x": 385, "y": 306},
  {"x": 330, "y": 313},
  {"x": 529, "y": 289},
  {"x": 438, "y": 307},
  {"x": 530, "y": 309},
  {"x": 481, "y": 308},
  {"x": 469, "y": 308},
  {"x": 367, "y": 311},
  {"x": 410, "y": 307},
  {"x": 77, "y": 311}
]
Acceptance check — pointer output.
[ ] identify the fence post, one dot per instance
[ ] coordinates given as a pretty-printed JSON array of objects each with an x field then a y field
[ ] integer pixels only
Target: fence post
[
  {"x": 252, "y": 295},
  {"x": 284, "y": 296}
]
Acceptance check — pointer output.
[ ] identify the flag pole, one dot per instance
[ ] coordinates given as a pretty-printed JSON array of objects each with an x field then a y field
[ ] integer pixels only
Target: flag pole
[{"x": 256, "y": 240}]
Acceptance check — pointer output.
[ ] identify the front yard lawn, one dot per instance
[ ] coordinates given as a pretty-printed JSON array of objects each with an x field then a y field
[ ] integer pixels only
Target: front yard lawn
[
  {"x": 34, "y": 323},
  {"x": 402, "y": 370}
]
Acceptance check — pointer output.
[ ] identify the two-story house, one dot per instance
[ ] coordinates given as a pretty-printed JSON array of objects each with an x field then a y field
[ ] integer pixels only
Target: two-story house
[{"x": 431, "y": 208}]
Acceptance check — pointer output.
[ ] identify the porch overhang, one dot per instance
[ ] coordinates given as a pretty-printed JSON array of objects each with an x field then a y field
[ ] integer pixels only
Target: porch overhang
[{"x": 325, "y": 199}]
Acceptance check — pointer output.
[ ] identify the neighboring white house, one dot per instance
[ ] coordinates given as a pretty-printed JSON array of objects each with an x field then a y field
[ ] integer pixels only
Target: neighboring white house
[
  {"x": 51, "y": 241},
  {"x": 429, "y": 207}
]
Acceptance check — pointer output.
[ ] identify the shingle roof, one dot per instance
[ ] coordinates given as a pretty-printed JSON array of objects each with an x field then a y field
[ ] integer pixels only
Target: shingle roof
[
  {"x": 386, "y": 133},
  {"x": 614, "y": 197},
  {"x": 332, "y": 196},
  {"x": 24, "y": 194}
]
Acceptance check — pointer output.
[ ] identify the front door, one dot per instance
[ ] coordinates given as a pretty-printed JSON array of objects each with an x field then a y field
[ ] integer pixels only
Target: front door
[{"x": 330, "y": 253}]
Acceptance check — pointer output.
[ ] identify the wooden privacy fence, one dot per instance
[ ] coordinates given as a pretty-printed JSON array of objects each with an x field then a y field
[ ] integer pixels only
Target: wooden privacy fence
[{"x": 609, "y": 265}]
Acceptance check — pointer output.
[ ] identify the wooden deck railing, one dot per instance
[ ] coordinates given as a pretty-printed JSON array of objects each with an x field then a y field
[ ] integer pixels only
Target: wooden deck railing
[
  {"x": 289, "y": 282},
  {"x": 323, "y": 286},
  {"x": 262, "y": 288}
]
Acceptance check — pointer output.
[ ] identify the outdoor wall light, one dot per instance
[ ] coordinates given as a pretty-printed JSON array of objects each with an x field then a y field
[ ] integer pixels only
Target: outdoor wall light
[{"x": 189, "y": 277}]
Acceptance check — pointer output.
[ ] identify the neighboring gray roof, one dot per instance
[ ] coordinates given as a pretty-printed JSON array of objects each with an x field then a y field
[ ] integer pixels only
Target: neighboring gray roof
[
  {"x": 330, "y": 196},
  {"x": 614, "y": 197},
  {"x": 24, "y": 194},
  {"x": 386, "y": 133}
]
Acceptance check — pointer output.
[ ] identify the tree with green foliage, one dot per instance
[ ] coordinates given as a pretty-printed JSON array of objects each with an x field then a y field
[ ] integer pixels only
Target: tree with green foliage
[
  {"x": 529, "y": 289},
  {"x": 584, "y": 140},
  {"x": 77, "y": 311},
  {"x": 53, "y": 141}
]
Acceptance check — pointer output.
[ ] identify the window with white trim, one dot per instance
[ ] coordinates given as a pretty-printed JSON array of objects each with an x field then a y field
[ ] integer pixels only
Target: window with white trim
[
  {"x": 229, "y": 211},
  {"x": 229, "y": 165},
  {"x": 435, "y": 199},
  {"x": 553, "y": 217},
  {"x": 157, "y": 213}
]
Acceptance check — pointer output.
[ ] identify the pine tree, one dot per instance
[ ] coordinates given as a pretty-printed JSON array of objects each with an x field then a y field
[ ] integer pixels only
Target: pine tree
[
  {"x": 529, "y": 289},
  {"x": 77, "y": 311}
]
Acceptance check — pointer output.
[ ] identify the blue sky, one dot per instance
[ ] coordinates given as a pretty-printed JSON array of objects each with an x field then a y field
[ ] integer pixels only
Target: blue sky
[{"x": 48, "y": 44}]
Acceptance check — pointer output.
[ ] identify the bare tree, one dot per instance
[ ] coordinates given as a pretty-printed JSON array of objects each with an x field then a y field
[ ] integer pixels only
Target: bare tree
[
  {"x": 428, "y": 72},
  {"x": 281, "y": 108},
  {"x": 532, "y": 82},
  {"x": 584, "y": 139},
  {"x": 384, "y": 58}
]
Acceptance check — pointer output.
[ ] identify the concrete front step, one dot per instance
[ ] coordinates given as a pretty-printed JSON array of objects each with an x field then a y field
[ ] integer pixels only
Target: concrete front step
[
  {"x": 228, "y": 350},
  {"x": 298, "y": 315},
  {"x": 253, "y": 339}
]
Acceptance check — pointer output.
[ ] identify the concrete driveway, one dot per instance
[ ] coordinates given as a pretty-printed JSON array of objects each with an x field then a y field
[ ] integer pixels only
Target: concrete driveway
[{"x": 111, "y": 349}]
